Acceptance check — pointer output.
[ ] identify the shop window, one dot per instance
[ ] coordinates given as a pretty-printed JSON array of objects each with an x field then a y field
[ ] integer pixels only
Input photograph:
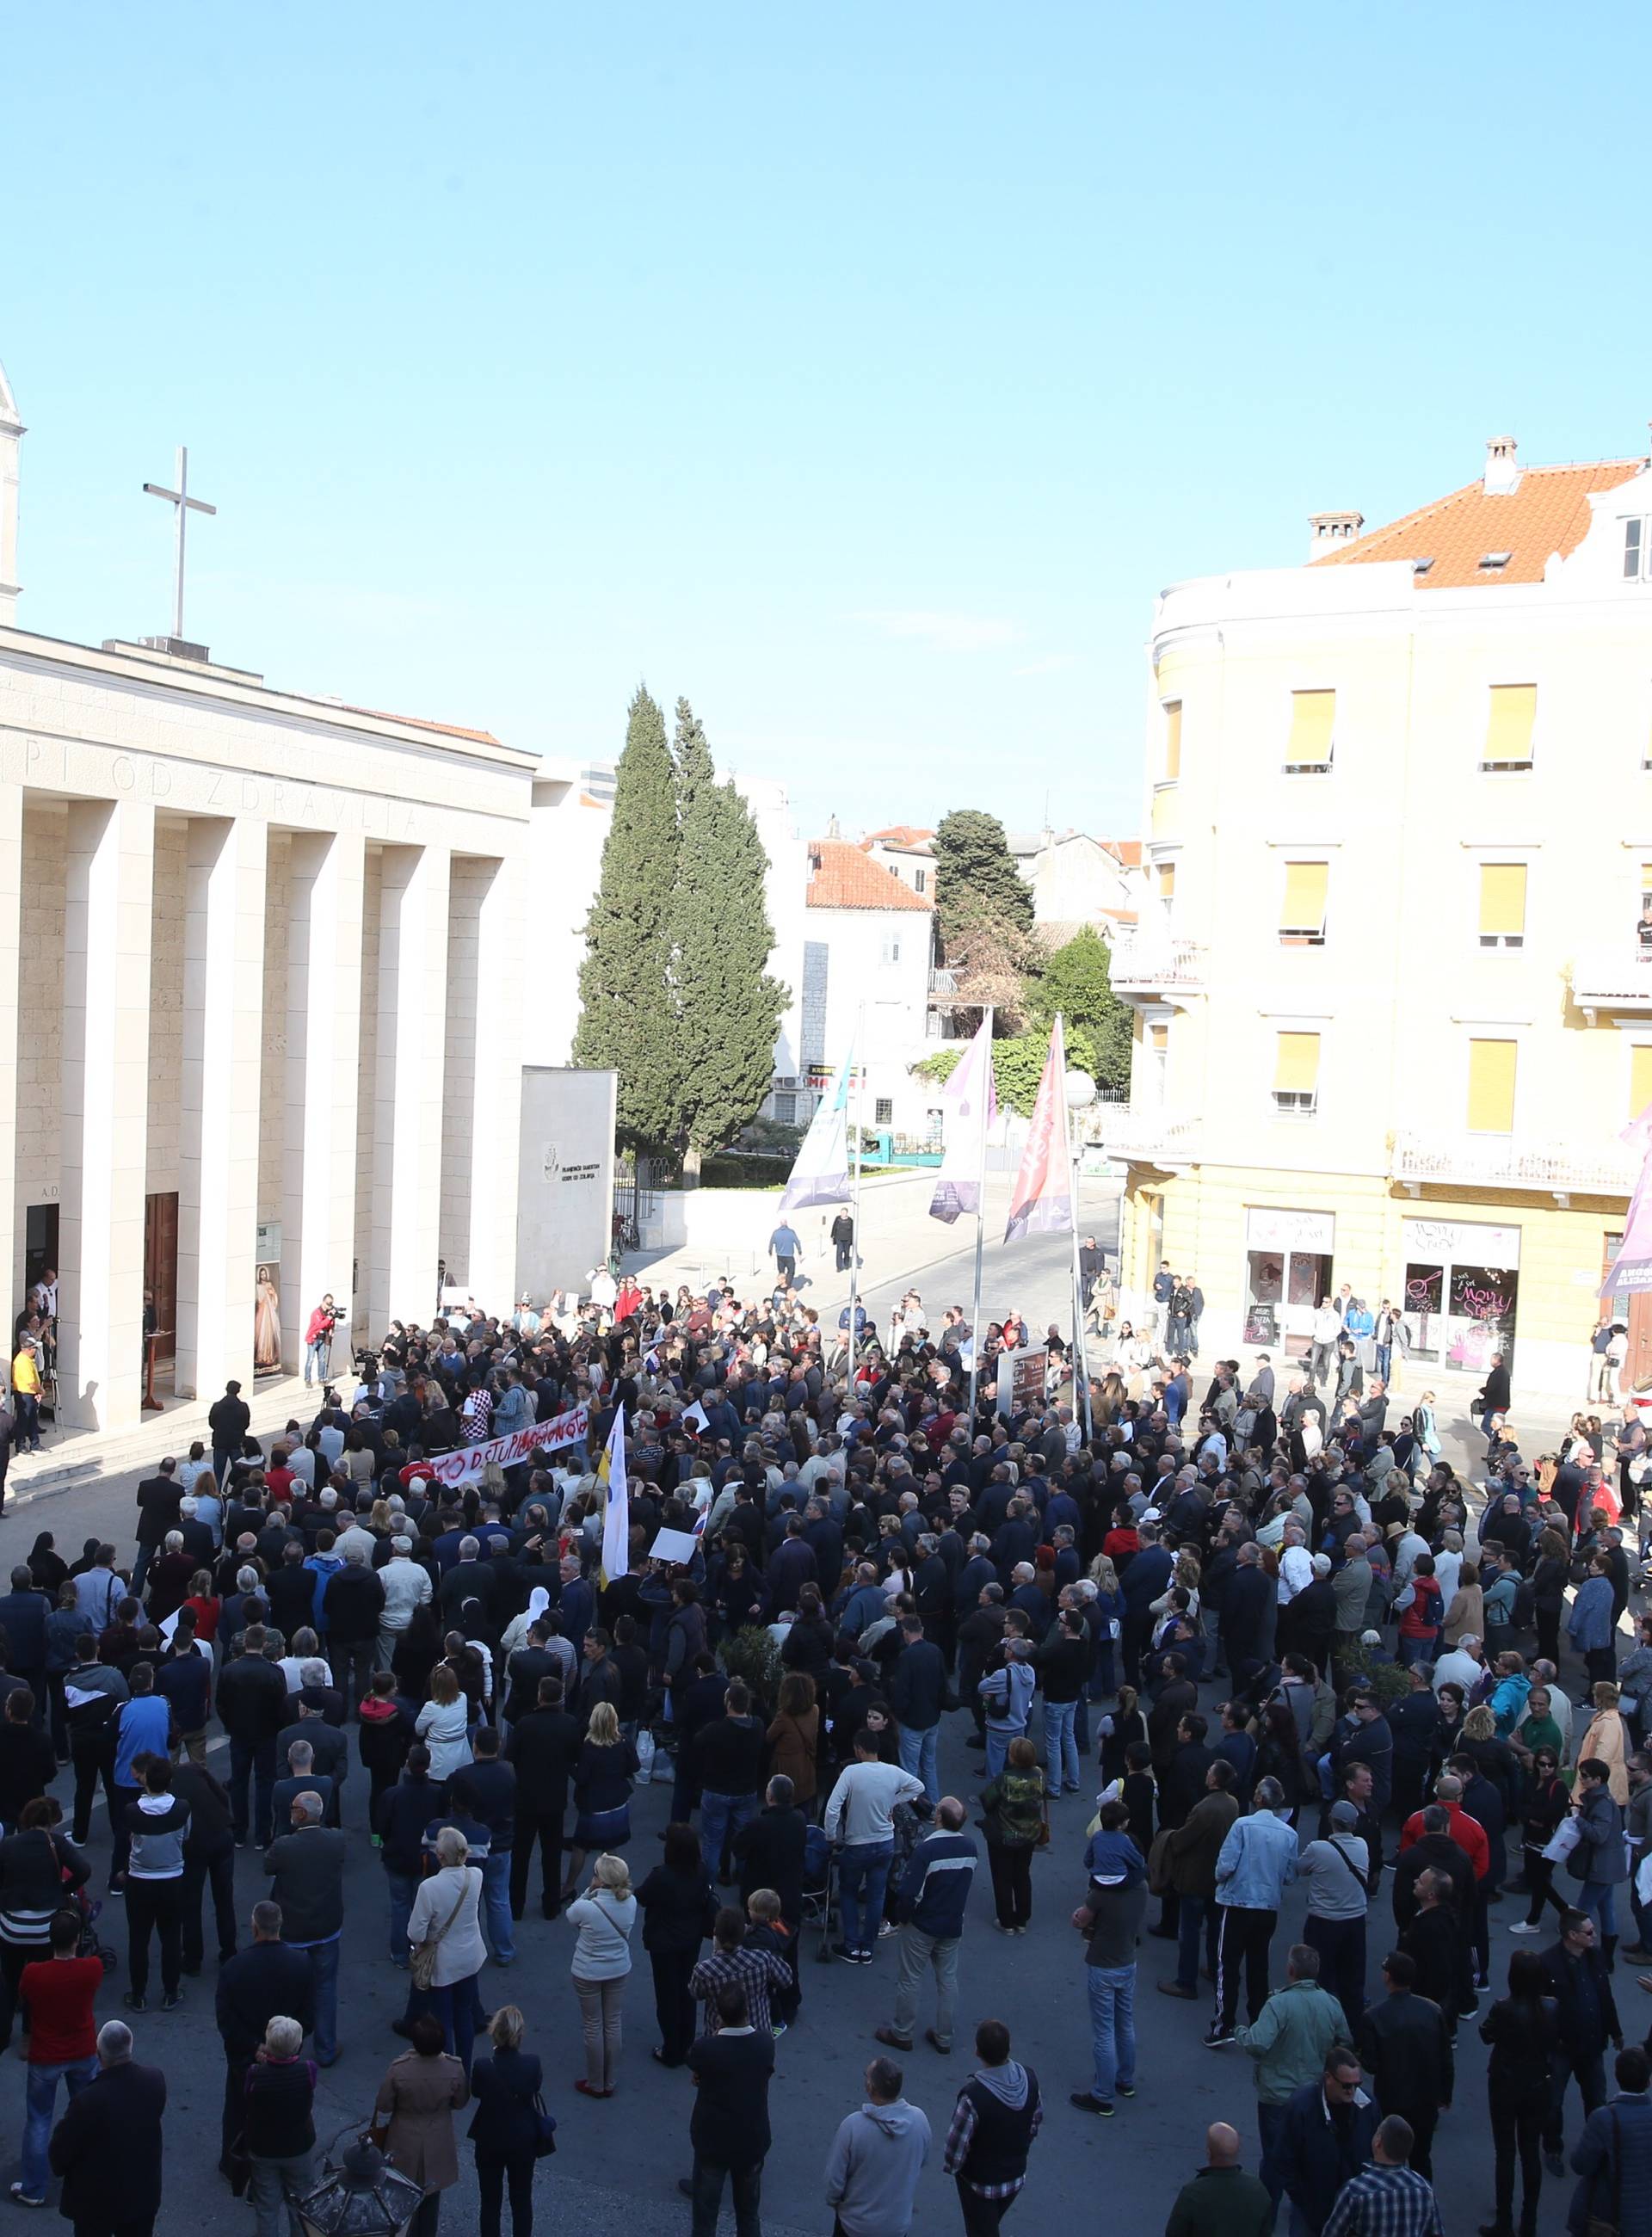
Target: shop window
[
  {"x": 1480, "y": 1315},
  {"x": 1313, "y": 722},
  {"x": 1424, "y": 1304},
  {"x": 1502, "y": 904}
]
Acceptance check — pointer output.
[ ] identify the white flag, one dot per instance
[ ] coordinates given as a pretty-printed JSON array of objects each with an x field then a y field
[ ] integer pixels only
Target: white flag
[
  {"x": 616, "y": 1513},
  {"x": 969, "y": 1100}
]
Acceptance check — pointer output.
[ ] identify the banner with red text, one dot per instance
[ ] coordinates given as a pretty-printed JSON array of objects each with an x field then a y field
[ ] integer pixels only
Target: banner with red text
[{"x": 465, "y": 1465}]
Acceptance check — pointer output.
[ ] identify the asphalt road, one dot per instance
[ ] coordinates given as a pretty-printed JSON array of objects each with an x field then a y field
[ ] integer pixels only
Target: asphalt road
[{"x": 618, "y": 2159}]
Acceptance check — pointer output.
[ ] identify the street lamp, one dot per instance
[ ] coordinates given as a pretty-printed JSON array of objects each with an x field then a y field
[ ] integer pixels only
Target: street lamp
[
  {"x": 364, "y": 2196},
  {"x": 1079, "y": 1091}
]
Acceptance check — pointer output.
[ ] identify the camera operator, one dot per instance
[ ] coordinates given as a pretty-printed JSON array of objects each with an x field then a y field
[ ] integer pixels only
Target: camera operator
[{"x": 318, "y": 1342}]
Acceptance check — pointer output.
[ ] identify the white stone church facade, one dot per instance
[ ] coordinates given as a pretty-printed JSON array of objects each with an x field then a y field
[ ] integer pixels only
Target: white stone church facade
[{"x": 261, "y": 1007}]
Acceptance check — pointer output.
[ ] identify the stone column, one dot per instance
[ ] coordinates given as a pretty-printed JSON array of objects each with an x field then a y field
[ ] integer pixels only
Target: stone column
[
  {"x": 323, "y": 1054},
  {"x": 109, "y": 876},
  {"x": 223, "y": 1014},
  {"x": 408, "y": 1120},
  {"x": 10, "y": 980},
  {"x": 495, "y": 1118}
]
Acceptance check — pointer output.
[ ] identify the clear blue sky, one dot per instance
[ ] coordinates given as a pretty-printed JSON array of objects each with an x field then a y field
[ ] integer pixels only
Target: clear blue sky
[{"x": 861, "y": 371}]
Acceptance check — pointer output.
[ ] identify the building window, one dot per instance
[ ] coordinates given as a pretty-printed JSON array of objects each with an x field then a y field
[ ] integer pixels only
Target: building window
[
  {"x": 1166, "y": 874},
  {"x": 1509, "y": 726},
  {"x": 1313, "y": 719},
  {"x": 785, "y": 1110},
  {"x": 1156, "y": 1041},
  {"x": 883, "y": 1110},
  {"x": 1502, "y": 904},
  {"x": 1640, "y": 1078},
  {"x": 1491, "y": 1086},
  {"x": 920, "y": 881},
  {"x": 1302, "y": 913},
  {"x": 1634, "y": 550},
  {"x": 1173, "y": 740},
  {"x": 891, "y": 948},
  {"x": 1296, "y": 1075}
]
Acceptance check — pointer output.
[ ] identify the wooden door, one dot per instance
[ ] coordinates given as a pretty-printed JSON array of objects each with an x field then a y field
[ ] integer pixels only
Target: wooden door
[{"x": 161, "y": 1268}]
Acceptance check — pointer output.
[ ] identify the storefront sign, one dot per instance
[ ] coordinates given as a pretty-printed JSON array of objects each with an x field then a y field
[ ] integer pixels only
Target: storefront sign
[
  {"x": 1311, "y": 1232},
  {"x": 1464, "y": 1240}
]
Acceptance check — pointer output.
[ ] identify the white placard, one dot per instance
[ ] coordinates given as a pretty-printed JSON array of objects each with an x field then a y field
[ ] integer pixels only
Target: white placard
[
  {"x": 1267, "y": 1228},
  {"x": 673, "y": 1545}
]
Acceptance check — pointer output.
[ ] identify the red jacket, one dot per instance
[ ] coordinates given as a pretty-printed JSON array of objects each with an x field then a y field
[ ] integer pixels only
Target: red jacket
[{"x": 1468, "y": 1832}]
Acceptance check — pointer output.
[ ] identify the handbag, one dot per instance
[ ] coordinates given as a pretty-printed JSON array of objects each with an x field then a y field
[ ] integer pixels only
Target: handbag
[
  {"x": 1594, "y": 2225},
  {"x": 424, "y": 1957},
  {"x": 545, "y": 2140}
]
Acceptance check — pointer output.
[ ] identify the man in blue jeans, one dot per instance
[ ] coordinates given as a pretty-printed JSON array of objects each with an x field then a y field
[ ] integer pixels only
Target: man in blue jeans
[
  {"x": 62, "y": 2044},
  {"x": 1063, "y": 1666},
  {"x": 918, "y": 1693},
  {"x": 859, "y": 1822},
  {"x": 1109, "y": 1918},
  {"x": 486, "y": 1791},
  {"x": 399, "y": 1817},
  {"x": 728, "y": 1766}
]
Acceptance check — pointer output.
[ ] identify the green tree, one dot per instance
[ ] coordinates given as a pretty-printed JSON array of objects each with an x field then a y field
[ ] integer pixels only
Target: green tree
[
  {"x": 627, "y": 1019},
  {"x": 1077, "y": 980},
  {"x": 1018, "y": 1064},
  {"x": 728, "y": 1008},
  {"x": 976, "y": 879}
]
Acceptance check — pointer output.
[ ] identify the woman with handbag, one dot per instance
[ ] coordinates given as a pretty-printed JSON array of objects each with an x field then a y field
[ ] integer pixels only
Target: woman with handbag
[
  {"x": 511, "y": 2128},
  {"x": 604, "y": 1916},
  {"x": 413, "y": 2117},
  {"x": 443, "y": 1928}
]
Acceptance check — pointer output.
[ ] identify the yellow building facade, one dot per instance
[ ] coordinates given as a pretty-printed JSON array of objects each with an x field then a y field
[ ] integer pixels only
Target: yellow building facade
[{"x": 1393, "y": 1006}]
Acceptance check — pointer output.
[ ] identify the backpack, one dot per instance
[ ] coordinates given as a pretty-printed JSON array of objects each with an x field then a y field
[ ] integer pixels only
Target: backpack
[{"x": 1525, "y": 1605}]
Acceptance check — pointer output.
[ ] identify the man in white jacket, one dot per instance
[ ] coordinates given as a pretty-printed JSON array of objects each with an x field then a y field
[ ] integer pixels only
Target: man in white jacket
[
  {"x": 876, "y": 2157},
  {"x": 405, "y": 1587}
]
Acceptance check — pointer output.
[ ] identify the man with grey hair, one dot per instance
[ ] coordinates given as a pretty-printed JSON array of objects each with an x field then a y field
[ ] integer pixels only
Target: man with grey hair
[
  {"x": 306, "y": 1872},
  {"x": 107, "y": 2146},
  {"x": 279, "y": 2127},
  {"x": 406, "y": 1586}
]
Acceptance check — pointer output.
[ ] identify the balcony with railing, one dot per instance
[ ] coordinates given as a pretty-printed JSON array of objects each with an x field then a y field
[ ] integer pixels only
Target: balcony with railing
[
  {"x": 1618, "y": 977},
  {"x": 1149, "y": 966},
  {"x": 1440, "y": 1157},
  {"x": 1146, "y": 1134}
]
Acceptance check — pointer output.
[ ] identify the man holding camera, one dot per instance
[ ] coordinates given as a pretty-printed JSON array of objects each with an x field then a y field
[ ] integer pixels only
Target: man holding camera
[{"x": 318, "y": 1342}]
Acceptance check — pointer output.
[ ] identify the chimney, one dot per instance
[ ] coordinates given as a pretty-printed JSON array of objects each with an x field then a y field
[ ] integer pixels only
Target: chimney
[
  {"x": 1502, "y": 467},
  {"x": 1329, "y": 531}
]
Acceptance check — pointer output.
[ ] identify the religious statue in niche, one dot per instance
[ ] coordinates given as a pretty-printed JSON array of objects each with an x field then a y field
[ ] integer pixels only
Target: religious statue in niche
[{"x": 266, "y": 1324}]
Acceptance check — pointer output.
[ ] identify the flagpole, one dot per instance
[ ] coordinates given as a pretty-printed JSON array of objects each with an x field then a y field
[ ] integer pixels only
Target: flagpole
[
  {"x": 1081, "y": 1381},
  {"x": 854, "y": 1215},
  {"x": 980, "y": 1223}
]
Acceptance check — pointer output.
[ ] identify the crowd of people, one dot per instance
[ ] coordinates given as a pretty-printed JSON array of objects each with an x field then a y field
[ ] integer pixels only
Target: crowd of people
[{"x": 1223, "y": 1645}]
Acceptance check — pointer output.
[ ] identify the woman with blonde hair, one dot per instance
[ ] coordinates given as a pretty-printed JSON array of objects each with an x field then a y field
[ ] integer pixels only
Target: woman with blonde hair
[
  {"x": 602, "y": 1780},
  {"x": 1606, "y": 1741},
  {"x": 506, "y": 2126},
  {"x": 604, "y": 1916},
  {"x": 1465, "y": 1618}
]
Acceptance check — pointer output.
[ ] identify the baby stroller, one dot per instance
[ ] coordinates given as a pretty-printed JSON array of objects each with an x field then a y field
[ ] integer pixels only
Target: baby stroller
[{"x": 818, "y": 1875}]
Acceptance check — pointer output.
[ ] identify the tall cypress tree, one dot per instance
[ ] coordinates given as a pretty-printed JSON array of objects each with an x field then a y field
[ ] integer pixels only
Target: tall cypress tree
[
  {"x": 627, "y": 1022},
  {"x": 728, "y": 1008}
]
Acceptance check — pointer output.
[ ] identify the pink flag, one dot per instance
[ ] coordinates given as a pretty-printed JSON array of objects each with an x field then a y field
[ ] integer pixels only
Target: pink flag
[
  {"x": 970, "y": 1101},
  {"x": 1631, "y": 1270},
  {"x": 1041, "y": 1200}
]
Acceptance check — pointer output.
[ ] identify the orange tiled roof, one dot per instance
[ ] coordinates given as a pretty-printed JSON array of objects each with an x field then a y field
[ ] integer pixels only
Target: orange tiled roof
[
  {"x": 1548, "y": 513},
  {"x": 900, "y": 834},
  {"x": 1128, "y": 850},
  {"x": 416, "y": 722},
  {"x": 841, "y": 876}
]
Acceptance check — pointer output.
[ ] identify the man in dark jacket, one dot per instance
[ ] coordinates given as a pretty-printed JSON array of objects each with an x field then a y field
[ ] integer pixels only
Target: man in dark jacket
[
  {"x": 1405, "y": 2047},
  {"x": 264, "y": 1979},
  {"x": 770, "y": 1848},
  {"x": 1587, "y": 2014},
  {"x": 306, "y": 1872},
  {"x": 729, "y": 2126},
  {"x": 351, "y": 1603},
  {"x": 1613, "y": 2154},
  {"x": 993, "y": 2124},
  {"x": 1246, "y": 1600},
  {"x": 228, "y": 1422},
  {"x": 208, "y": 1855},
  {"x": 1435, "y": 1943},
  {"x": 107, "y": 2146},
  {"x": 918, "y": 1695},
  {"x": 23, "y": 1611},
  {"x": 252, "y": 1707},
  {"x": 159, "y": 1499},
  {"x": 543, "y": 1749},
  {"x": 931, "y": 1902},
  {"x": 486, "y": 1789},
  {"x": 728, "y": 1765},
  {"x": 1147, "y": 1577},
  {"x": 1324, "y": 2140},
  {"x": 399, "y": 1819}
]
